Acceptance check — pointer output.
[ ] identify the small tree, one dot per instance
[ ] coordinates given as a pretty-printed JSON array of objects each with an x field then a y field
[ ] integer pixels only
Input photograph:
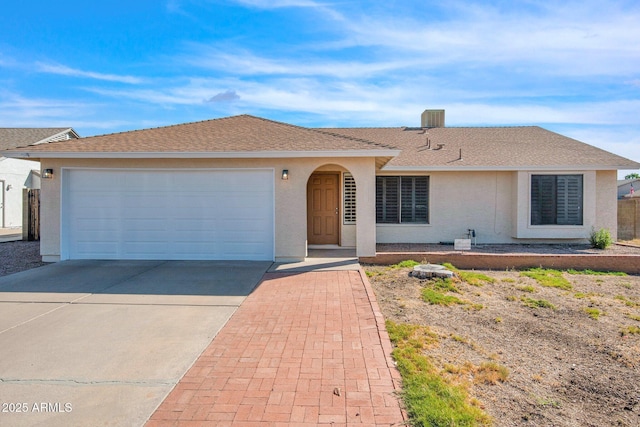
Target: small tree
[{"x": 632, "y": 176}]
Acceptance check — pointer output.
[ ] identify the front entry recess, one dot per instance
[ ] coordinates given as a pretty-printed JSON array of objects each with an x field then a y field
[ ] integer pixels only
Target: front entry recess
[{"x": 323, "y": 209}]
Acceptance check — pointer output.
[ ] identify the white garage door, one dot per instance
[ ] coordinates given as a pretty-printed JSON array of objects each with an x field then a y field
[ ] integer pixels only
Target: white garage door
[{"x": 168, "y": 214}]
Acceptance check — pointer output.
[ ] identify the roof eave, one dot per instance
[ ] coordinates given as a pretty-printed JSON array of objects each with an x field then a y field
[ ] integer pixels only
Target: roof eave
[
  {"x": 476, "y": 168},
  {"x": 22, "y": 154}
]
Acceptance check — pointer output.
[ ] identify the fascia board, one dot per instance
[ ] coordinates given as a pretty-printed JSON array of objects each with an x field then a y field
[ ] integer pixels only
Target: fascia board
[
  {"x": 200, "y": 155},
  {"x": 502, "y": 168}
]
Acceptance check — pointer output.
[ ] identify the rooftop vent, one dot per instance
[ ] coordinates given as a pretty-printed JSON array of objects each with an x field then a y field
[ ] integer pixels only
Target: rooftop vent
[{"x": 433, "y": 119}]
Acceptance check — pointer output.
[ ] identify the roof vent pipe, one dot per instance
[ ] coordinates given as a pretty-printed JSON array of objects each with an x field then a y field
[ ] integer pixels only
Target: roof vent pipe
[{"x": 433, "y": 119}]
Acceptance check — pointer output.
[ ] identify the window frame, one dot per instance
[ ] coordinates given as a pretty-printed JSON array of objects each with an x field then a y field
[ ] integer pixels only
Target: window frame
[
  {"x": 561, "y": 206},
  {"x": 395, "y": 209}
]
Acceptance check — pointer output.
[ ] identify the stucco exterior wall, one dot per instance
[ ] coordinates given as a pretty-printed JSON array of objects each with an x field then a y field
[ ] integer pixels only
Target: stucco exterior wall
[
  {"x": 607, "y": 202},
  {"x": 457, "y": 202},
  {"x": 567, "y": 233},
  {"x": 16, "y": 175},
  {"x": 290, "y": 197},
  {"x": 497, "y": 206}
]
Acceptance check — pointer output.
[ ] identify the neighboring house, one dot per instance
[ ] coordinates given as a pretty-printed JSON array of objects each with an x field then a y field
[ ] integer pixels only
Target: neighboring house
[
  {"x": 248, "y": 188},
  {"x": 629, "y": 187},
  {"x": 16, "y": 174}
]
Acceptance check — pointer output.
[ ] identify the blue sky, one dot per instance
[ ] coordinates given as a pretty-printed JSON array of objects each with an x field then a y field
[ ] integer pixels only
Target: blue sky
[{"x": 100, "y": 67}]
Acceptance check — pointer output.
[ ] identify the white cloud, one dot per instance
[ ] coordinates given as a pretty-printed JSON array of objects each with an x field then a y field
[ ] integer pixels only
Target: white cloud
[
  {"x": 281, "y": 4},
  {"x": 18, "y": 111},
  {"x": 243, "y": 62},
  {"x": 68, "y": 71},
  {"x": 576, "y": 39}
]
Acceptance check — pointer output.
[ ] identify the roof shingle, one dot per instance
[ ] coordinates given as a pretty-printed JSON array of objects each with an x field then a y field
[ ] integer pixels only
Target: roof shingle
[
  {"x": 21, "y": 137},
  {"x": 242, "y": 133},
  {"x": 487, "y": 147}
]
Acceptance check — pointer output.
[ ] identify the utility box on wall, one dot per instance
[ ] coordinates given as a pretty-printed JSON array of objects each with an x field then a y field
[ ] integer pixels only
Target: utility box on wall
[{"x": 629, "y": 218}]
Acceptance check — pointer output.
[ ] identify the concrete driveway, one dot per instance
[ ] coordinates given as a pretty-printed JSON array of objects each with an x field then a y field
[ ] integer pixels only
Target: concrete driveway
[{"x": 103, "y": 342}]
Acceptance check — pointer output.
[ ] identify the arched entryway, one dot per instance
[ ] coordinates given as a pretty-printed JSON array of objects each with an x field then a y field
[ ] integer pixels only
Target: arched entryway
[{"x": 331, "y": 207}]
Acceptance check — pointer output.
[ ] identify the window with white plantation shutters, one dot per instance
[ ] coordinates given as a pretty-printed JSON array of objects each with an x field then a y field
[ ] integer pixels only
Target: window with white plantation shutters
[
  {"x": 387, "y": 199},
  {"x": 349, "y": 189},
  {"x": 556, "y": 199},
  {"x": 402, "y": 199}
]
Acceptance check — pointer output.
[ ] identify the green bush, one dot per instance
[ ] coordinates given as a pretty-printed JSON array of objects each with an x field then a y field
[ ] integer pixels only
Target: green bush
[{"x": 600, "y": 239}]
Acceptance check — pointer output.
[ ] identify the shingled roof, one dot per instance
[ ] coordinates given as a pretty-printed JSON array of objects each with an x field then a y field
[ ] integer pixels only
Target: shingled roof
[
  {"x": 22, "y": 137},
  {"x": 506, "y": 148},
  {"x": 434, "y": 148},
  {"x": 237, "y": 134}
]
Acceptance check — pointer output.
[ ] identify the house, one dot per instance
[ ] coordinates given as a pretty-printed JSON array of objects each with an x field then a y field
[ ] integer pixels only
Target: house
[
  {"x": 629, "y": 188},
  {"x": 16, "y": 174},
  {"x": 249, "y": 188}
]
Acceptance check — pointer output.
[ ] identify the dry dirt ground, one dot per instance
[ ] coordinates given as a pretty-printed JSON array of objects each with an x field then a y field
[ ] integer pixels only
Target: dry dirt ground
[{"x": 565, "y": 368}]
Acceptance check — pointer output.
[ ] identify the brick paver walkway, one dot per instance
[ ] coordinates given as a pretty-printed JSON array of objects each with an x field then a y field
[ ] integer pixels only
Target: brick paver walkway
[{"x": 303, "y": 349}]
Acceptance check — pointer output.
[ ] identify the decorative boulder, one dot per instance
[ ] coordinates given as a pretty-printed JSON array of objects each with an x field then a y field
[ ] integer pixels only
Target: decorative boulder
[{"x": 427, "y": 271}]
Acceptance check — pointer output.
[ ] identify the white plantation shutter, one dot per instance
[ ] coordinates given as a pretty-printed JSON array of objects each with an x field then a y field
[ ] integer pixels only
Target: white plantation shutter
[
  {"x": 402, "y": 199},
  {"x": 349, "y": 186},
  {"x": 415, "y": 196},
  {"x": 387, "y": 198},
  {"x": 556, "y": 199},
  {"x": 569, "y": 200}
]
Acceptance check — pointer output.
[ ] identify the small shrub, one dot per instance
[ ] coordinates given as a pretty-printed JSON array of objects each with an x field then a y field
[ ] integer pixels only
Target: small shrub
[
  {"x": 548, "y": 277},
  {"x": 630, "y": 330},
  {"x": 445, "y": 285},
  {"x": 596, "y": 273},
  {"x": 537, "y": 303},
  {"x": 633, "y": 317},
  {"x": 542, "y": 401},
  {"x": 470, "y": 277},
  {"x": 527, "y": 288},
  {"x": 594, "y": 313},
  {"x": 434, "y": 297},
  {"x": 627, "y": 301},
  {"x": 491, "y": 373},
  {"x": 458, "y": 338},
  {"x": 600, "y": 239},
  {"x": 582, "y": 295},
  {"x": 405, "y": 264}
]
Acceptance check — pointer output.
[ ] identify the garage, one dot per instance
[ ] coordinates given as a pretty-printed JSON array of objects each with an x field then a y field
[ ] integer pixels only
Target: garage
[{"x": 168, "y": 214}]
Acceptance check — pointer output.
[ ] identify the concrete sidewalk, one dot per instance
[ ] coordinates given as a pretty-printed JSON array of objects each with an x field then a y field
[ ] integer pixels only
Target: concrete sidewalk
[
  {"x": 304, "y": 348},
  {"x": 10, "y": 234}
]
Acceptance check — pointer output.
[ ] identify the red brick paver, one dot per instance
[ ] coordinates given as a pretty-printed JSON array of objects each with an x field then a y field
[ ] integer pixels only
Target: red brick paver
[{"x": 303, "y": 349}]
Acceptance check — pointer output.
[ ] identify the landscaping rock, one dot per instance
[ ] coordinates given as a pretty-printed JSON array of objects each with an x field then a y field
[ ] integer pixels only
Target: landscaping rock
[{"x": 427, "y": 271}]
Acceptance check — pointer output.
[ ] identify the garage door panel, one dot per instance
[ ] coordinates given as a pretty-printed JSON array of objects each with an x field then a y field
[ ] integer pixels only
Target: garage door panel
[
  {"x": 146, "y": 201},
  {"x": 104, "y": 248},
  {"x": 169, "y": 214},
  {"x": 145, "y": 247}
]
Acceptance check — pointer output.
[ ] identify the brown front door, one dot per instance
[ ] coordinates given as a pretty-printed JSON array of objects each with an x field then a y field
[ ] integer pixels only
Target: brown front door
[{"x": 323, "y": 209}]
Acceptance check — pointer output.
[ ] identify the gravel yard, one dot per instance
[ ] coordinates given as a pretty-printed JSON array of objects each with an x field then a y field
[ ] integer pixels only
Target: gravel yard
[
  {"x": 19, "y": 256},
  {"x": 631, "y": 248}
]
